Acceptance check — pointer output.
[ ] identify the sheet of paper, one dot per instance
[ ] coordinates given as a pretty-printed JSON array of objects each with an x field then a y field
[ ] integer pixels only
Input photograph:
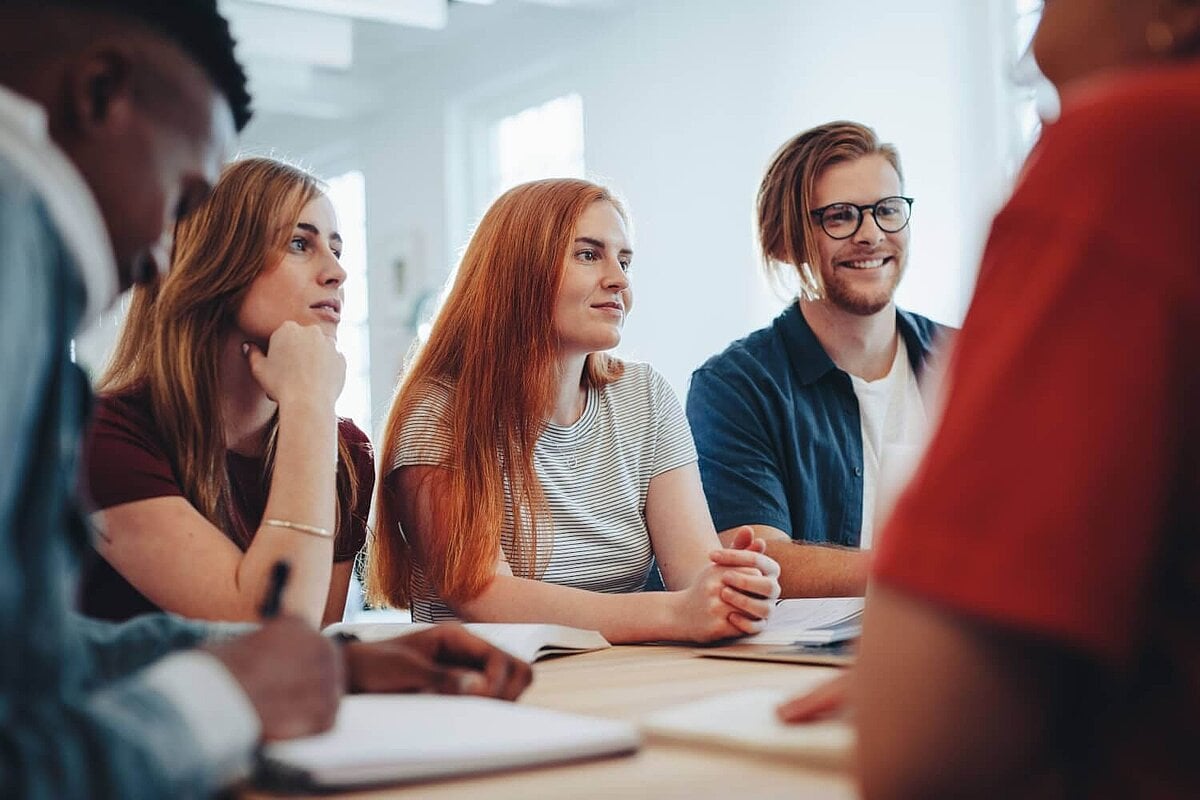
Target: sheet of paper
[
  {"x": 393, "y": 738},
  {"x": 746, "y": 719}
]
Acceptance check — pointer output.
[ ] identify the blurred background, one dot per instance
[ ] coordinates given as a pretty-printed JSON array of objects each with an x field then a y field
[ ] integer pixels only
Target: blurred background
[{"x": 419, "y": 112}]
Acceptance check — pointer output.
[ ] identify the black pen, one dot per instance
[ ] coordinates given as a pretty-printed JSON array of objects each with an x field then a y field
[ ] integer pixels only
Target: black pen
[{"x": 274, "y": 597}]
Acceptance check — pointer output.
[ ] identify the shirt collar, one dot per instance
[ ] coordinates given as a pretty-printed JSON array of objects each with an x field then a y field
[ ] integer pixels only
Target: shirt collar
[
  {"x": 809, "y": 359},
  {"x": 811, "y": 362},
  {"x": 25, "y": 142}
]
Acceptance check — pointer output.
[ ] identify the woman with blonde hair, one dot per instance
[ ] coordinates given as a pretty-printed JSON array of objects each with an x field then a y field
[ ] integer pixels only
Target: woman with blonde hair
[
  {"x": 216, "y": 451},
  {"x": 529, "y": 476}
]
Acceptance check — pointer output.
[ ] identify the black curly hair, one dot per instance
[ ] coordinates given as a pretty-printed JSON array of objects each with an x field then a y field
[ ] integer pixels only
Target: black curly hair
[{"x": 198, "y": 28}]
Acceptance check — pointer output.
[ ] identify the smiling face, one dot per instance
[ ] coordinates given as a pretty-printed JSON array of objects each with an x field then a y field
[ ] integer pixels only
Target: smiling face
[
  {"x": 594, "y": 295},
  {"x": 860, "y": 273},
  {"x": 304, "y": 285}
]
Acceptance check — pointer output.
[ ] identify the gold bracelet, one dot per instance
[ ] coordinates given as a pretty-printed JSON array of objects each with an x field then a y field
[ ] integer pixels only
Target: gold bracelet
[{"x": 311, "y": 530}]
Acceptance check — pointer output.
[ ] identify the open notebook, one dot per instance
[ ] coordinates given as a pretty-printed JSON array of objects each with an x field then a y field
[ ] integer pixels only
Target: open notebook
[
  {"x": 528, "y": 642},
  {"x": 746, "y": 720},
  {"x": 400, "y": 738}
]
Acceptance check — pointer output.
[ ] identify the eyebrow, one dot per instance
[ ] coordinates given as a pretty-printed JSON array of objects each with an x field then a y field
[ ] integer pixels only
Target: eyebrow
[
  {"x": 597, "y": 243},
  {"x": 315, "y": 231}
]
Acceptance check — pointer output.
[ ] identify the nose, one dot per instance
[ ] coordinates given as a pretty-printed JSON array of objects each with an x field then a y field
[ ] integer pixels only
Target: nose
[
  {"x": 869, "y": 231},
  {"x": 615, "y": 278},
  {"x": 332, "y": 271}
]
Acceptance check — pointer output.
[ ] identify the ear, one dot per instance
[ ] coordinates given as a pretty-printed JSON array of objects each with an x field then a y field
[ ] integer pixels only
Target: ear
[{"x": 101, "y": 90}]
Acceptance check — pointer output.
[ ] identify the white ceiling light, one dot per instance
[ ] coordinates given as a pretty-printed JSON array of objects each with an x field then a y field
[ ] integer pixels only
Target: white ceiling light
[{"x": 418, "y": 13}]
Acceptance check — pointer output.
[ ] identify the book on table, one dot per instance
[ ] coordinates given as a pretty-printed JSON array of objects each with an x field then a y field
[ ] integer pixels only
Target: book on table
[
  {"x": 526, "y": 641},
  {"x": 403, "y": 738},
  {"x": 746, "y": 720},
  {"x": 810, "y": 630}
]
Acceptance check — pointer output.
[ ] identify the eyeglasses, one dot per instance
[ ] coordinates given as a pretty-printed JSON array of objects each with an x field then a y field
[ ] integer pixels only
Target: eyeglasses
[{"x": 842, "y": 220}]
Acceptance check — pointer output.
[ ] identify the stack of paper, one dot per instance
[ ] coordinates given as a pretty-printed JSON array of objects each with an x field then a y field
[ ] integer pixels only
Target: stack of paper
[
  {"x": 396, "y": 738},
  {"x": 528, "y": 642},
  {"x": 812, "y": 620}
]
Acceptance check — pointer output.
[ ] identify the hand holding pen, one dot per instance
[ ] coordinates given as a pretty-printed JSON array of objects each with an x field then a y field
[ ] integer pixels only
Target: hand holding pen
[{"x": 291, "y": 674}]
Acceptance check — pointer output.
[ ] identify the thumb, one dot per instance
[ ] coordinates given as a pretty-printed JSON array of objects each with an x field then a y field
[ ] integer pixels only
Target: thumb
[
  {"x": 454, "y": 680},
  {"x": 743, "y": 538}
]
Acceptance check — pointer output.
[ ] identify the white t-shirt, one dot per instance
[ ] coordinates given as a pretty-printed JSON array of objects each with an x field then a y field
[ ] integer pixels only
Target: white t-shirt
[
  {"x": 595, "y": 475},
  {"x": 894, "y": 426}
]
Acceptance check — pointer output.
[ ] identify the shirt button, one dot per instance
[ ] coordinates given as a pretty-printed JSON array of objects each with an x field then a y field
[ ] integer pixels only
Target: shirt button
[{"x": 858, "y": 472}]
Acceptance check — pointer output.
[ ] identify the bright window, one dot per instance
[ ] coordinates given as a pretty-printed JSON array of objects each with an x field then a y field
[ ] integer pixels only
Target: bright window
[
  {"x": 348, "y": 194},
  {"x": 545, "y": 141}
]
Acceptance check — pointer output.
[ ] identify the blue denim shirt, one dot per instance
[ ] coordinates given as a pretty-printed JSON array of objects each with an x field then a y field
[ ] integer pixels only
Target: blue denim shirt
[
  {"x": 777, "y": 429},
  {"x": 75, "y": 721}
]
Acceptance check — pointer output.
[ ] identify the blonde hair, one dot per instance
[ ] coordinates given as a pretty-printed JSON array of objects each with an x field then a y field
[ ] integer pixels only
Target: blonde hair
[
  {"x": 787, "y": 233},
  {"x": 167, "y": 345}
]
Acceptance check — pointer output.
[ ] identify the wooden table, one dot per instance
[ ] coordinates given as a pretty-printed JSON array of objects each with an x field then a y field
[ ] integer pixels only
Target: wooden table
[{"x": 627, "y": 683}]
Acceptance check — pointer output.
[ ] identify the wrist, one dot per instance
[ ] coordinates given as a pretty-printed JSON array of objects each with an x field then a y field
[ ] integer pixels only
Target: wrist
[{"x": 314, "y": 405}]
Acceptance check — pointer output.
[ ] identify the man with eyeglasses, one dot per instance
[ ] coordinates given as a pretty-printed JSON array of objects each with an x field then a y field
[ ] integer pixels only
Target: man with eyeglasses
[{"x": 802, "y": 425}]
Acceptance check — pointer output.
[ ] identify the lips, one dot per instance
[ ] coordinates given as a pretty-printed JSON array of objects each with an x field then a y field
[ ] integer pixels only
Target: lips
[
  {"x": 866, "y": 263},
  {"x": 329, "y": 309}
]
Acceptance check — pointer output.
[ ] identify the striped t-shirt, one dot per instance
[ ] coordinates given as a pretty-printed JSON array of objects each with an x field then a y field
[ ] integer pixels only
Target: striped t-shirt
[{"x": 594, "y": 474}]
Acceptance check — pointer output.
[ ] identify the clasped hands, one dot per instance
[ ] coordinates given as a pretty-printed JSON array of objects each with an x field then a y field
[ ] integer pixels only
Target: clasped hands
[{"x": 736, "y": 593}]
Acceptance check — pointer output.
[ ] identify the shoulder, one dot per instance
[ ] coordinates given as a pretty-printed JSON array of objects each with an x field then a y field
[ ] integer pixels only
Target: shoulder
[
  {"x": 753, "y": 364},
  {"x": 638, "y": 379},
  {"x": 357, "y": 440},
  {"x": 926, "y": 331},
  {"x": 130, "y": 411},
  {"x": 352, "y": 434},
  {"x": 1131, "y": 132}
]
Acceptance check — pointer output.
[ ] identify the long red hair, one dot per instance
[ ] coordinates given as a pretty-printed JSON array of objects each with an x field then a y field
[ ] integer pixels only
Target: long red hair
[{"x": 494, "y": 342}]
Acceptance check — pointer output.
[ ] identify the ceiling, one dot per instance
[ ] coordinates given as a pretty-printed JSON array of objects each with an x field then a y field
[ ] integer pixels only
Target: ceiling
[{"x": 330, "y": 59}]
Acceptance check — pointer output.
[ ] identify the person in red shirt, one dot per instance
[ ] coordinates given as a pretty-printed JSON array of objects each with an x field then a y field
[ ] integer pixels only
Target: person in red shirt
[
  {"x": 1032, "y": 628},
  {"x": 215, "y": 450}
]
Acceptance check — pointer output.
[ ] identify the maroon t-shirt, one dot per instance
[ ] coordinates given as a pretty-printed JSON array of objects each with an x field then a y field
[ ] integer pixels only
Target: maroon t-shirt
[{"x": 125, "y": 460}]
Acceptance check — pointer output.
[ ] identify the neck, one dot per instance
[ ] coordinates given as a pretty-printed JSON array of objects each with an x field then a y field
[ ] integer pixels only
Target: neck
[
  {"x": 569, "y": 395},
  {"x": 864, "y": 346},
  {"x": 246, "y": 410}
]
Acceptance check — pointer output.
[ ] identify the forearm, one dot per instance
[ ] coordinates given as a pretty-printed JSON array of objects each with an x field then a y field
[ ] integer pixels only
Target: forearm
[
  {"x": 813, "y": 570},
  {"x": 117, "y": 650},
  {"x": 182, "y": 728},
  {"x": 303, "y": 491},
  {"x": 620, "y": 618}
]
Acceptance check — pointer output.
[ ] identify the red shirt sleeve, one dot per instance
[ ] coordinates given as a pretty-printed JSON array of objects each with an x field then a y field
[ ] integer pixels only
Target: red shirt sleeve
[
  {"x": 1046, "y": 495},
  {"x": 123, "y": 458}
]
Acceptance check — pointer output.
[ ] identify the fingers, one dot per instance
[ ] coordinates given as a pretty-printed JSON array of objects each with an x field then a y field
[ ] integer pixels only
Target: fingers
[
  {"x": 504, "y": 676},
  {"x": 727, "y": 557},
  {"x": 752, "y": 583},
  {"x": 756, "y": 608},
  {"x": 743, "y": 538},
  {"x": 827, "y": 700}
]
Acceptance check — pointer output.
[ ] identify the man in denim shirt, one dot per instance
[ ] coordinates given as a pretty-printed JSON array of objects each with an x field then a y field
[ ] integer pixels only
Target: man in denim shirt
[
  {"x": 116, "y": 117},
  {"x": 803, "y": 425}
]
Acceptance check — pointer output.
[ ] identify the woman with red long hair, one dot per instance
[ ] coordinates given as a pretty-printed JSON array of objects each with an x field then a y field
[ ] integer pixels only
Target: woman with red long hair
[{"x": 527, "y": 476}]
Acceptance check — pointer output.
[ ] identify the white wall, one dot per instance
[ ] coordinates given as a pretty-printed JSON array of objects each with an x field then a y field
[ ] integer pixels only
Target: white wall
[{"x": 684, "y": 103}]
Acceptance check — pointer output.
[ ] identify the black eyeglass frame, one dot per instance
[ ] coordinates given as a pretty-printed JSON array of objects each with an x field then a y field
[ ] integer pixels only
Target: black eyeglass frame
[{"x": 819, "y": 215}]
